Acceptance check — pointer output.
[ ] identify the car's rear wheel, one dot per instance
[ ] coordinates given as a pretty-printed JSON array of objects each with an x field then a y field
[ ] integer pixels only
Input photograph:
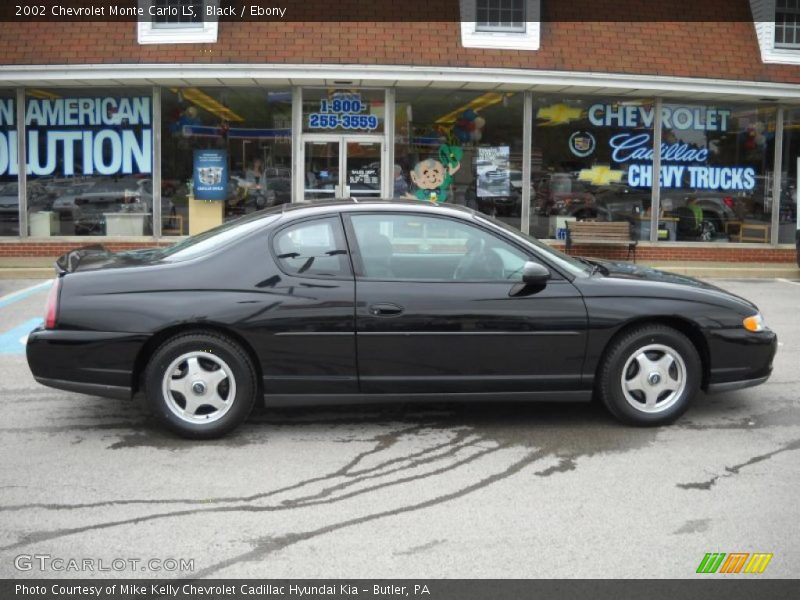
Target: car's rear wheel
[
  {"x": 649, "y": 375},
  {"x": 200, "y": 385}
]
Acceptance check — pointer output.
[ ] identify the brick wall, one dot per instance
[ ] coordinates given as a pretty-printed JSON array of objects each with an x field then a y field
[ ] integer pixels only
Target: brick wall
[
  {"x": 55, "y": 249},
  {"x": 730, "y": 253},
  {"x": 700, "y": 253},
  {"x": 695, "y": 48}
]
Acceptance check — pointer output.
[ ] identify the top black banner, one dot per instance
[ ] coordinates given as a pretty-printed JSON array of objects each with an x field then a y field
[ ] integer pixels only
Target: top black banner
[{"x": 397, "y": 11}]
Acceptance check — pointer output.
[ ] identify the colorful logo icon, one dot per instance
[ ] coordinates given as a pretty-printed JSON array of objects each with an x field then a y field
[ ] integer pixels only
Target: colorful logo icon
[
  {"x": 600, "y": 175},
  {"x": 558, "y": 114},
  {"x": 735, "y": 562},
  {"x": 582, "y": 143}
]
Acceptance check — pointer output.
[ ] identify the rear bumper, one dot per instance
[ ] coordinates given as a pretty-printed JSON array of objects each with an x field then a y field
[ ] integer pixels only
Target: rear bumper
[
  {"x": 89, "y": 362},
  {"x": 92, "y": 389}
]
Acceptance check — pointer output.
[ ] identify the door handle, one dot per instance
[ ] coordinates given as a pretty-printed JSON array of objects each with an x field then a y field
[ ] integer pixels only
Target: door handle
[{"x": 385, "y": 310}]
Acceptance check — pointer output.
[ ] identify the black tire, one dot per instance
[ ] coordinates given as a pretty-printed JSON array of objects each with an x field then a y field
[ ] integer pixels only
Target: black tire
[
  {"x": 212, "y": 350},
  {"x": 624, "y": 350}
]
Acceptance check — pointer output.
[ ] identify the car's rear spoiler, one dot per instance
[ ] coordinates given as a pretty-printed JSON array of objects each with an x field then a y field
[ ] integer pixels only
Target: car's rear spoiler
[{"x": 70, "y": 261}]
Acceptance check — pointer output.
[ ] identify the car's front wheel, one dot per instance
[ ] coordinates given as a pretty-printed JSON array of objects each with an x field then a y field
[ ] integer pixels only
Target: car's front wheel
[
  {"x": 649, "y": 375},
  {"x": 200, "y": 385}
]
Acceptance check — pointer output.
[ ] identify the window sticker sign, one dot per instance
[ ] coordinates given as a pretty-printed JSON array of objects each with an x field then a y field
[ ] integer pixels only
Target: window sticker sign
[
  {"x": 80, "y": 136},
  {"x": 491, "y": 167},
  {"x": 210, "y": 174},
  {"x": 343, "y": 110},
  {"x": 365, "y": 177}
]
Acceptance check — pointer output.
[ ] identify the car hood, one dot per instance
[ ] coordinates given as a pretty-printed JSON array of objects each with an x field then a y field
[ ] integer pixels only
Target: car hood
[{"x": 624, "y": 270}]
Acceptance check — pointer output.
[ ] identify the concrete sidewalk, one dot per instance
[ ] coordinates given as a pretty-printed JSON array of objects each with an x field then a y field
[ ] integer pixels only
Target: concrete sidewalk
[
  {"x": 728, "y": 270},
  {"x": 42, "y": 268},
  {"x": 26, "y": 267}
]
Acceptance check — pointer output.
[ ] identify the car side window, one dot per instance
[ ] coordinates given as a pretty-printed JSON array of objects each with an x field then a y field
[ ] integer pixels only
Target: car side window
[
  {"x": 417, "y": 247},
  {"x": 313, "y": 249}
]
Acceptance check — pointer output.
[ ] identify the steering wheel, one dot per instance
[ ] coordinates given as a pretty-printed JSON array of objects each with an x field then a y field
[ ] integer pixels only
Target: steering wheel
[{"x": 479, "y": 262}]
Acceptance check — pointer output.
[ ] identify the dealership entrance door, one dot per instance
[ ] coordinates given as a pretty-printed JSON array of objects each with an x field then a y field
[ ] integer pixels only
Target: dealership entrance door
[{"x": 342, "y": 166}]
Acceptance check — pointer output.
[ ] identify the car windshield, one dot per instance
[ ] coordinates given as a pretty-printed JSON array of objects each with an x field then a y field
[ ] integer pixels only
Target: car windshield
[
  {"x": 564, "y": 261},
  {"x": 205, "y": 242}
]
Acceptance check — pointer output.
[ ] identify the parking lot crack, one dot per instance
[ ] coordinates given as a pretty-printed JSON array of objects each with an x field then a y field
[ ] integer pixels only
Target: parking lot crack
[{"x": 736, "y": 469}]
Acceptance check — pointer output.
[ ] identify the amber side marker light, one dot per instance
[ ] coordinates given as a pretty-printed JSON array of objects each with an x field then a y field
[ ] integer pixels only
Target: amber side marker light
[{"x": 754, "y": 323}]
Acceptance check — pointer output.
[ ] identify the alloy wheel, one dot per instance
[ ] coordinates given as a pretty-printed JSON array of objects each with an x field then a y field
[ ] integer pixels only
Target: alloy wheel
[
  {"x": 653, "y": 378},
  {"x": 199, "y": 387}
]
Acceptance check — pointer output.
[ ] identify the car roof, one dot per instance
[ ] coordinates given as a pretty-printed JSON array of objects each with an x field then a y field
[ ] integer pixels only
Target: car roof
[{"x": 376, "y": 205}]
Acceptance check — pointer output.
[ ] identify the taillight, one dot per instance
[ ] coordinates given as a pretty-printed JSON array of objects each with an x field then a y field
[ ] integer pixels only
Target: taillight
[
  {"x": 728, "y": 200},
  {"x": 51, "y": 308}
]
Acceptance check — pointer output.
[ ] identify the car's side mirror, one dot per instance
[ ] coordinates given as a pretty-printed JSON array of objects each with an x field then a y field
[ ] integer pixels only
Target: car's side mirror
[
  {"x": 535, "y": 274},
  {"x": 534, "y": 280}
]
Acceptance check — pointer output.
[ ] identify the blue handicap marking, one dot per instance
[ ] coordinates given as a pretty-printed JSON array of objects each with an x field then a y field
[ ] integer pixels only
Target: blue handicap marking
[
  {"x": 22, "y": 294},
  {"x": 13, "y": 340}
]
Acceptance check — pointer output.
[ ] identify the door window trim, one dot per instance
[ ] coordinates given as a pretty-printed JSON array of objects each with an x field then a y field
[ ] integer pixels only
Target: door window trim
[
  {"x": 338, "y": 232},
  {"x": 358, "y": 264}
]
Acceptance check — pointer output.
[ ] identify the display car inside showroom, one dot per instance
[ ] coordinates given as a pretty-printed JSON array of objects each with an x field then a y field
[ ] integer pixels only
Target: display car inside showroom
[{"x": 183, "y": 126}]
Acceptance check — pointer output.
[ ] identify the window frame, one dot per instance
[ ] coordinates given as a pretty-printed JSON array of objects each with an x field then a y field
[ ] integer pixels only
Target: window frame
[
  {"x": 482, "y": 27},
  {"x": 358, "y": 265},
  {"x": 151, "y": 32},
  {"x": 338, "y": 232},
  {"x": 526, "y": 38},
  {"x": 796, "y": 27}
]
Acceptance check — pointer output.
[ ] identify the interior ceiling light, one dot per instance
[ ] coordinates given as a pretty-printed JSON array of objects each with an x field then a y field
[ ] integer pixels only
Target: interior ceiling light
[
  {"x": 481, "y": 102},
  {"x": 41, "y": 94},
  {"x": 206, "y": 102}
]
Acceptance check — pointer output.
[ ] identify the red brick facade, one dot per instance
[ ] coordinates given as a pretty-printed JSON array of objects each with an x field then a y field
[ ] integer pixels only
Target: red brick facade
[
  {"x": 699, "y": 47},
  {"x": 733, "y": 253}
]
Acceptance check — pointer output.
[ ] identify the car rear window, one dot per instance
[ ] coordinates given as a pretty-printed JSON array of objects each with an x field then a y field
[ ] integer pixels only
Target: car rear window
[{"x": 216, "y": 238}]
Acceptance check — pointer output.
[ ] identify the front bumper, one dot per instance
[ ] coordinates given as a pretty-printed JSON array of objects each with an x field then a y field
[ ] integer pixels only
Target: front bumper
[
  {"x": 740, "y": 358},
  {"x": 90, "y": 362}
]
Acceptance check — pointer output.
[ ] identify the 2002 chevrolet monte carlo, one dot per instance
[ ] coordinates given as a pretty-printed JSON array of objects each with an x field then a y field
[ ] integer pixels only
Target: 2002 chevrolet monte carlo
[{"x": 385, "y": 301}]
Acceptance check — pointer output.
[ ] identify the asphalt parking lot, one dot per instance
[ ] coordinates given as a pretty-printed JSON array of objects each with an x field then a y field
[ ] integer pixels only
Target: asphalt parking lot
[{"x": 405, "y": 491}]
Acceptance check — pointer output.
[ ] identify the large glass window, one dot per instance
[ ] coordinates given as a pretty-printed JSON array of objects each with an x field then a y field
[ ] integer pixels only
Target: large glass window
[
  {"x": 227, "y": 144},
  {"x": 90, "y": 157},
  {"x": 591, "y": 159},
  {"x": 788, "y": 223},
  {"x": 9, "y": 191},
  {"x": 462, "y": 147},
  {"x": 717, "y": 171}
]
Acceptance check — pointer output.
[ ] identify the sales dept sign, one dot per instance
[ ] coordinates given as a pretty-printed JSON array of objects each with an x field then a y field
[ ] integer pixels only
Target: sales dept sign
[
  {"x": 343, "y": 110},
  {"x": 79, "y": 136},
  {"x": 210, "y": 174}
]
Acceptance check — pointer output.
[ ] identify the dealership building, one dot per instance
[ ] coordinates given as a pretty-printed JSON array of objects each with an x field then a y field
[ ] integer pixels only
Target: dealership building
[{"x": 684, "y": 123}]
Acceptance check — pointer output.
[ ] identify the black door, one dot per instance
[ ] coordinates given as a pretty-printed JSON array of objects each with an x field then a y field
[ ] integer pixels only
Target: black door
[
  {"x": 306, "y": 337},
  {"x": 435, "y": 313}
]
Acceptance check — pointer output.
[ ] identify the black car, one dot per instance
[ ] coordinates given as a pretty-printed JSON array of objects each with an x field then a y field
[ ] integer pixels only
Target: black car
[{"x": 385, "y": 301}]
